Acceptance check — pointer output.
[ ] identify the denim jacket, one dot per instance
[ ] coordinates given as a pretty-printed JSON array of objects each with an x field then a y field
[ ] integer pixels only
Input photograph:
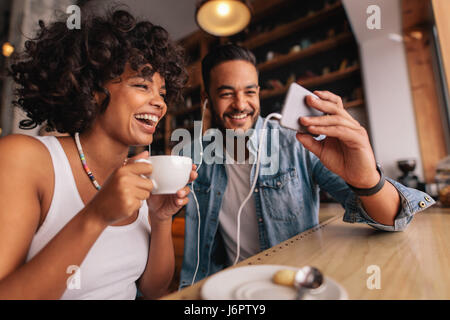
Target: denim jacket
[{"x": 287, "y": 202}]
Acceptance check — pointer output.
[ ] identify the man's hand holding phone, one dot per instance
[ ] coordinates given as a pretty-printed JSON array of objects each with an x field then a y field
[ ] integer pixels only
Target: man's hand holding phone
[
  {"x": 295, "y": 107},
  {"x": 346, "y": 150}
]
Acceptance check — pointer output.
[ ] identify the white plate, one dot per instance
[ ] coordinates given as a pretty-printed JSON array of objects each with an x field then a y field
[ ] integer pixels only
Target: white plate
[{"x": 255, "y": 283}]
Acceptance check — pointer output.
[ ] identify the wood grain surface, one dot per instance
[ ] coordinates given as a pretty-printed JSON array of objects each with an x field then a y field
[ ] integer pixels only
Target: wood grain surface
[{"x": 413, "y": 264}]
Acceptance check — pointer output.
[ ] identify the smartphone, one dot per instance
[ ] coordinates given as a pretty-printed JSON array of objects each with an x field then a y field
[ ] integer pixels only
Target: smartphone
[{"x": 295, "y": 107}]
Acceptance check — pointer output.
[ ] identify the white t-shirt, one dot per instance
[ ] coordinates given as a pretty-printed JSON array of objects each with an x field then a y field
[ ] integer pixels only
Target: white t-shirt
[{"x": 237, "y": 190}]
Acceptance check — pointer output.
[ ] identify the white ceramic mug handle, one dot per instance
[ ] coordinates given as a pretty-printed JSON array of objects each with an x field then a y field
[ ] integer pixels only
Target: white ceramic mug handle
[{"x": 155, "y": 186}]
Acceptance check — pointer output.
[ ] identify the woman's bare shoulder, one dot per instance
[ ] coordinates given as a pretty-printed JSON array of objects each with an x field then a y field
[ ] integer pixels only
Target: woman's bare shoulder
[
  {"x": 22, "y": 152},
  {"x": 21, "y": 144}
]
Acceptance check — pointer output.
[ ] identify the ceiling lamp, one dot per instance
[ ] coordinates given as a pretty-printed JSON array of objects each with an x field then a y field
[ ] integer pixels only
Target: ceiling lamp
[
  {"x": 222, "y": 18},
  {"x": 7, "y": 49}
]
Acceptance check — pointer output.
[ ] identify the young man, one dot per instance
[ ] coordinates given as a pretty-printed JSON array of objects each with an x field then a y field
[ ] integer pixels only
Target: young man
[{"x": 286, "y": 202}]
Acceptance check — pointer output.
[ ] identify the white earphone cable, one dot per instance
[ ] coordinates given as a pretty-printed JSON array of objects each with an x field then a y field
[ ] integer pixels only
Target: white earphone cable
[
  {"x": 261, "y": 137},
  {"x": 193, "y": 192},
  {"x": 255, "y": 179}
]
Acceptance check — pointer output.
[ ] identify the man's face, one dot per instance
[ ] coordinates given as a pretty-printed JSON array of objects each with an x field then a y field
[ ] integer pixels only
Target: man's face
[{"x": 234, "y": 95}]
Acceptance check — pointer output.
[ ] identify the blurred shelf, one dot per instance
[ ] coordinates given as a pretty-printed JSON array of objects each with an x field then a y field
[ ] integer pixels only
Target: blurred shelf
[
  {"x": 188, "y": 127},
  {"x": 264, "y": 8},
  {"x": 158, "y": 139},
  {"x": 186, "y": 110},
  {"x": 194, "y": 81},
  {"x": 192, "y": 40},
  {"x": 315, "y": 48},
  {"x": 330, "y": 77},
  {"x": 354, "y": 104},
  {"x": 289, "y": 28},
  {"x": 313, "y": 82},
  {"x": 191, "y": 88}
]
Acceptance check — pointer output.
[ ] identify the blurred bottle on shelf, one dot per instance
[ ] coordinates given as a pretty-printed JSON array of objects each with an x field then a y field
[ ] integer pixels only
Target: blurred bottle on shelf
[
  {"x": 296, "y": 48},
  {"x": 305, "y": 43},
  {"x": 331, "y": 33},
  {"x": 343, "y": 65},
  {"x": 443, "y": 181},
  {"x": 270, "y": 55},
  {"x": 325, "y": 70},
  {"x": 188, "y": 102},
  {"x": 291, "y": 79}
]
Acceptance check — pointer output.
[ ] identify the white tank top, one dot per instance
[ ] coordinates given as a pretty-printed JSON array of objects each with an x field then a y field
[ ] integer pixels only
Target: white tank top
[{"x": 118, "y": 257}]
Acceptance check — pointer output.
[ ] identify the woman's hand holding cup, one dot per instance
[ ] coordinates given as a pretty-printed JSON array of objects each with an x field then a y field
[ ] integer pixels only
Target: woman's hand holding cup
[
  {"x": 163, "y": 206},
  {"x": 123, "y": 192}
]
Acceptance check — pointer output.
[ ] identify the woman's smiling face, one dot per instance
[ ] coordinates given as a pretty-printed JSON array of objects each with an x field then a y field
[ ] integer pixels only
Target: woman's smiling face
[{"x": 136, "y": 106}]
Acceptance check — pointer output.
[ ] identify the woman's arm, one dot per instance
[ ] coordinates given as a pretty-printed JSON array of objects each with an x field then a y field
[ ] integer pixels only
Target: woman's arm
[
  {"x": 44, "y": 276},
  {"x": 24, "y": 164},
  {"x": 158, "y": 273},
  {"x": 22, "y": 160}
]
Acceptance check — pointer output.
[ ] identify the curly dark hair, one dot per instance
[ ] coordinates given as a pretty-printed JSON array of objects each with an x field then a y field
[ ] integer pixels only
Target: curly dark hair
[{"x": 61, "y": 69}]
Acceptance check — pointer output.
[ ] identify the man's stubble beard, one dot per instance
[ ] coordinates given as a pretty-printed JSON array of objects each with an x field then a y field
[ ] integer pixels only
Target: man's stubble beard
[{"x": 216, "y": 121}]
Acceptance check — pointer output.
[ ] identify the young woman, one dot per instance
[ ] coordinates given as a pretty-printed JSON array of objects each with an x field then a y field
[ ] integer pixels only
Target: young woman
[{"x": 75, "y": 213}]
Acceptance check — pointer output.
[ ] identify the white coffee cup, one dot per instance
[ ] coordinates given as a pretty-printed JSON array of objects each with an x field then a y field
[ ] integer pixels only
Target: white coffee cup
[{"x": 170, "y": 173}]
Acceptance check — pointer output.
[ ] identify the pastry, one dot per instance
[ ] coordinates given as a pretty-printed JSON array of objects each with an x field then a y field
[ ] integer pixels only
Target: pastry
[{"x": 284, "y": 277}]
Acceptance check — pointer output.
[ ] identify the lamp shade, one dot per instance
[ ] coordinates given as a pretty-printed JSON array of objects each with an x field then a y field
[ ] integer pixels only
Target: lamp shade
[
  {"x": 222, "y": 17},
  {"x": 7, "y": 49}
]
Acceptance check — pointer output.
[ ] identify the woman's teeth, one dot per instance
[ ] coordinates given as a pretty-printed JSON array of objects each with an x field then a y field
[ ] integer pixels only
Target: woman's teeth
[{"x": 148, "y": 118}]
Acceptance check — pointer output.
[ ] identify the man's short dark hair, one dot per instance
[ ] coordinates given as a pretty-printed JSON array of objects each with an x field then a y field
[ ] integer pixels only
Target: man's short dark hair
[{"x": 223, "y": 53}]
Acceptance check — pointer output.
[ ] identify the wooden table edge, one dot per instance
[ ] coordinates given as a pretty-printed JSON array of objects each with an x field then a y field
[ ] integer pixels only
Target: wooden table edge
[{"x": 254, "y": 260}]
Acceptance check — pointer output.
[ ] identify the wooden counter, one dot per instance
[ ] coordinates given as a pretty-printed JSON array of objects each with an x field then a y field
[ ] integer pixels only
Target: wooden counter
[{"x": 413, "y": 264}]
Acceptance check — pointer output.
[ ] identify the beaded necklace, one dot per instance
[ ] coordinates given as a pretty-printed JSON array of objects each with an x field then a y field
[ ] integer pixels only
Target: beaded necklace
[{"x": 83, "y": 161}]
